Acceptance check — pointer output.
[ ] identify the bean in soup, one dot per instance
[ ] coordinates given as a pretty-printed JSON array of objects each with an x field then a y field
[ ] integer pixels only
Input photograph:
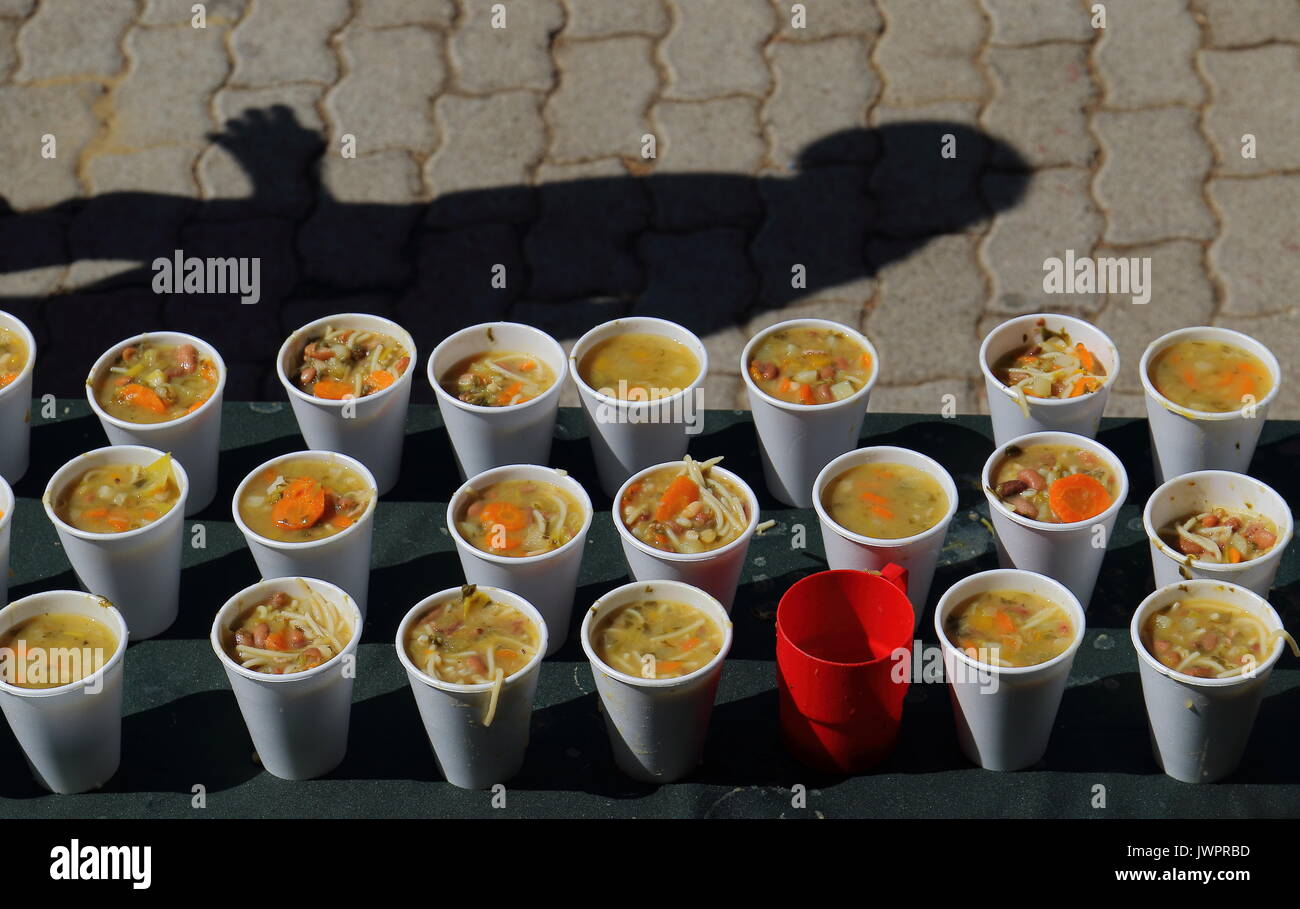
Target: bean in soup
[
  {"x": 638, "y": 366},
  {"x": 156, "y": 383},
  {"x": 685, "y": 508},
  {"x": 303, "y": 499},
  {"x": 885, "y": 501},
  {"x": 53, "y": 649},
  {"x": 810, "y": 365},
  {"x": 520, "y": 518},
  {"x": 1209, "y": 376},
  {"x": 498, "y": 378},
  {"x": 350, "y": 362},
  {"x": 115, "y": 498},
  {"x": 656, "y": 639},
  {"x": 1009, "y": 628},
  {"x": 1056, "y": 484}
]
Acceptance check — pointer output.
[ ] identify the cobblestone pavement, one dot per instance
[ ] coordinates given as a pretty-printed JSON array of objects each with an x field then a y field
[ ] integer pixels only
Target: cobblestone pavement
[{"x": 775, "y": 145}]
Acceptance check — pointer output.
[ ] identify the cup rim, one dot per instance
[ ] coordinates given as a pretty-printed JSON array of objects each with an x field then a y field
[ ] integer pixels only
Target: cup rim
[
  {"x": 13, "y": 323},
  {"x": 837, "y": 466},
  {"x": 560, "y": 368},
  {"x": 8, "y": 504},
  {"x": 987, "y": 369},
  {"x": 119, "y": 651},
  {"x": 1070, "y": 438},
  {"x": 858, "y": 336},
  {"x": 508, "y": 597},
  {"x": 1153, "y": 600},
  {"x": 390, "y": 327},
  {"x": 214, "y": 635},
  {"x": 628, "y": 537},
  {"x": 1228, "y": 568},
  {"x": 857, "y": 664},
  {"x": 583, "y": 388},
  {"x": 304, "y": 545},
  {"x": 1064, "y": 598},
  {"x": 59, "y": 479},
  {"x": 1239, "y": 339},
  {"x": 557, "y": 476},
  {"x": 178, "y": 337},
  {"x": 603, "y": 602}
]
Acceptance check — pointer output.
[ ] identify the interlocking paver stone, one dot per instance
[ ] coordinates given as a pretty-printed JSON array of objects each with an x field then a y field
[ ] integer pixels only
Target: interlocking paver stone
[
  {"x": 488, "y": 59},
  {"x": 599, "y": 108},
  {"x": 1281, "y": 333},
  {"x": 923, "y": 397},
  {"x": 821, "y": 87},
  {"x": 1057, "y": 214},
  {"x": 23, "y": 242},
  {"x": 1039, "y": 102},
  {"x": 440, "y": 13},
  {"x": 175, "y": 12},
  {"x": 1145, "y": 53},
  {"x": 164, "y": 97},
  {"x": 1244, "y": 22},
  {"x": 928, "y": 51},
  {"x": 701, "y": 280},
  {"x": 287, "y": 41},
  {"x": 386, "y": 98},
  {"x": 1257, "y": 255},
  {"x": 454, "y": 272},
  {"x": 16, "y": 8},
  {"x": 63, "y": 110},
  {"x": 717, "y": 48},
  {"x": 8, "y": 48},
  {"x": 1150, "y": 181},
  {"x": 824, "y": 18},
  {"x": 65, "y": 39},
  {"x": 600, "y": 18},
  {"x": 1032, "y": 21},
  {"x": 1242, "y": 105},
  {"x": 699, "y": 140}
]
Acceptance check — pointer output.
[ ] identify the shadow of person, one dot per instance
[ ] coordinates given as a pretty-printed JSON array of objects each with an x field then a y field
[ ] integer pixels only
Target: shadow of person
[{"x": 705, "y": 249}]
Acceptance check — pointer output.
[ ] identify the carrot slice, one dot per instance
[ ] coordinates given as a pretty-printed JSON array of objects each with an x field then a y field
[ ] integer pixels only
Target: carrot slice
[
  {"x": 341, "y": 521},
  {"x": 505, "y": 654},
  {"x": 142, "y": 396},
  {"x": 511, "y": 517},
  {"x": 7, "y": 378},
  {"x": 668, "y": 665},
  {"x": 1077, "y": 498},
  {"x": 681, "y": 492},
  {"x": 275, "y": 641},
  {"x": 805, "y": 394},
  {"x": 1234, "y": 554},
  {"x": 332, "y": 390},
  {"x": 1005, "y": 625},
  {"x": 380, "y": 379},
  {"x": 1085, "y": 356},
  {"x": 301, "y": 506},
  {"x": 509, "y": 392}
]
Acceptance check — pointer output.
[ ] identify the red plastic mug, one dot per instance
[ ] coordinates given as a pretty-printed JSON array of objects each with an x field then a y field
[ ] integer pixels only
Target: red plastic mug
[{"x": 835, "y": 634}]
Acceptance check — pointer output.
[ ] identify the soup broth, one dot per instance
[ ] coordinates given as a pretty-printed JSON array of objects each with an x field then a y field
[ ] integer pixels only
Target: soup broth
[
  {"x": 1009, "y": 628},
  {"x": 1056, "y": 484},
  {"x": 1209, "y": 376},
  {"x": 498, "y": 378},
  {"x": 639, "y": 366},
  {"x": 286, "y": 633},
  {"x": 1206, "y": 639},
  {"x": 1050, "y": 365},
  {"x": 350, "y": 362},
  {"x": 156, "y": 383},
  {"x": 1221, "y": 536},
  {"x": 685, "y": 508},
  {"x": 520, "y": 518},
  {"x": 13, "y": 356},
  {"x": 472, "y": 639},
  {"x": 116, "y": 498},
  {"x": 885, "y": 501},
  {"x": 303, "y": 499},
  {"x": 53, "y": 649},
  {"x": 810, "y": 365},
  {"x": 656, "y": 639}
]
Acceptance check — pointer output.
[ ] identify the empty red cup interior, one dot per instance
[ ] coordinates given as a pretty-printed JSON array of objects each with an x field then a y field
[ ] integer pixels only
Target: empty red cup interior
[{"x": 840, "y": 689}]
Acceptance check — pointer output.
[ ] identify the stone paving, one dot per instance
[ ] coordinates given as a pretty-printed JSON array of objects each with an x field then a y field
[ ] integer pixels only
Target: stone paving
[{"x": 777, "y": 142}]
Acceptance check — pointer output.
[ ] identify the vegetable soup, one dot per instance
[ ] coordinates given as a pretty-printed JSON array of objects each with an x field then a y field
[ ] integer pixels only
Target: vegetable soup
[
  {"x": 656, "y": 639},
  {"x": 53, "y": 649},
  {"x": 13, "y": 355},
  {"x": 286, "y": 633},
  {"x": 1056, "y": 484},
  {"x": 1221, "y": 536},
  {"x": 810, "y": 365},
  {"x": 1207, "y": 639},
  {"x": 685, "y": 508},
  {"x": 1009, "y": 628},
  {"x": 1209, "y": 375},
  {"x": 1050, "y": 365},
  {"x": 115, "y": 498},
  {"x": 639, "y": 366},
  {"x": 520, "y": 518},
  {"x": 885, "y": 501},
  {"x": 350, "y": 362},
  {"x": 156, "y": 383},
  {"x": 303, "y": 499},
  {"x": 498, "y": 378}
]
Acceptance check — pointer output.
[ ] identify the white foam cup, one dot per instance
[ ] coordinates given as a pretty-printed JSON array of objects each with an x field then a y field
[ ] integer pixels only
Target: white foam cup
[
  {"x": 342, "y": 559},
  {"x": 628, "y": 436},
  {"x": 1204, "y": 490},
  {"x": 1200, "y": 727},
  {"x": 918, "y": 553},
  {"x": 469, "y": 754},
  {"x": 1005, "y": 714},
  {"x": 657, "y": 727},
  {"x": 487, "y": 437},
  {"x": 548, "y": 581},
  {"x": 71, "y": 735},
  {"x": 1071, "y": 553},
  {"x": 16, "y": 408},
  {"x": 6, "y": 527},
  {"x": 298, "y": 721},
  {"x": 372, "y": 428},
  {"x": 138, "y": 570}
]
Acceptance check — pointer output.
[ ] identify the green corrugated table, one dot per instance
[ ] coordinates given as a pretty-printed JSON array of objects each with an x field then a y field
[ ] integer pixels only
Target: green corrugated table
[{"x": 182, "y": 728}]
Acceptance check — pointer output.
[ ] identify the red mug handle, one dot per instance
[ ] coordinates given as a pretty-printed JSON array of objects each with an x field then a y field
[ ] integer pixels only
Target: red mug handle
[{"x": 896, "y": 575}]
